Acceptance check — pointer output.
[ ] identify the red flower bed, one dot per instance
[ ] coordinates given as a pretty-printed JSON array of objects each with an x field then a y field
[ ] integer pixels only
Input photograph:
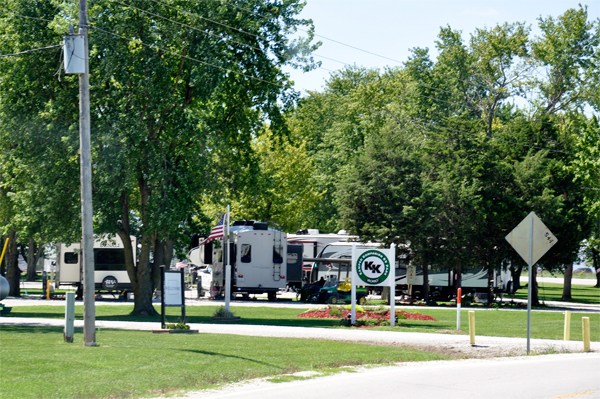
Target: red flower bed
[{"x": 325, "y": 313}]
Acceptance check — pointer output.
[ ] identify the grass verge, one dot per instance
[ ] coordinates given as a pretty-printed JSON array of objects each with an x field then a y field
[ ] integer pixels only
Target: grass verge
[
  {"x": 553, "y": 292},
  {"x": 38, "y": 364},
  {"x": 490, "y": 322}
]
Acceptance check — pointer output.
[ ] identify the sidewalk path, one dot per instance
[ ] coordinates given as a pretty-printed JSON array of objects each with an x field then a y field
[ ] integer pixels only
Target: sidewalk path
[{"x": 452, "y": 344}]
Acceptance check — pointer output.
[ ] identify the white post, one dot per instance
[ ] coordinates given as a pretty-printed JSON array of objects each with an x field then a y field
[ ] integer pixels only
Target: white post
[
  {"x": 69, "y": 317},
  {"x": 458, "y": 304},
  {"x": 392, "y": 259},
  {"x": 87, "y": 242},
  {"x": 530, "y": 284},
  {"x": 354, "y": 280},
  {"x": 228, "y": 267}
]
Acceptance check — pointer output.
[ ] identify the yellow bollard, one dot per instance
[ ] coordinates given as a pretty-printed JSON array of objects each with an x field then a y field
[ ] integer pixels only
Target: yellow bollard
[
  {"x": 567, "y": 335},
  {"x": 585, "y": 323},
  {"x": 472, "y": 326},
  {"x": 47, "y": 289}
]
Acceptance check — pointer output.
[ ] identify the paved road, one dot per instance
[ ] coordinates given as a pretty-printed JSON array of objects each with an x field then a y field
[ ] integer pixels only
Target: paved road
[{"x": 543, "y": 377}]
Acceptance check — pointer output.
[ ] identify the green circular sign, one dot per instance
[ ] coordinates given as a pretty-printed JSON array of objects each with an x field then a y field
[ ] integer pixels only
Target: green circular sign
[{"x": 373, "y": 267}]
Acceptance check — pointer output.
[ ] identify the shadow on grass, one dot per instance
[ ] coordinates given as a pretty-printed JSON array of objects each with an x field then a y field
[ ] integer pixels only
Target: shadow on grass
[
  {"x": 231, "y": 357},
  {"x": 31, "y": 329}
]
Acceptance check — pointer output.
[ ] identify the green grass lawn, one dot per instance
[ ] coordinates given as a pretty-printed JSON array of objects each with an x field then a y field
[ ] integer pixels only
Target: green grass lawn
[
  {"x": 554, "y": 291},
  {"x": 36, "y": 363},
  {"x": 490, "y": 322}
]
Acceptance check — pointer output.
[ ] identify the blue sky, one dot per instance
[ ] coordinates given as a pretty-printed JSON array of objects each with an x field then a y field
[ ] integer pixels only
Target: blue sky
[{"x": 391, "y": 28}]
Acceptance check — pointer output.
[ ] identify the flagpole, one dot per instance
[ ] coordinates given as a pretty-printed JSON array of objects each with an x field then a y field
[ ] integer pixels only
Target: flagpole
[{"x": 228, "y": 267}]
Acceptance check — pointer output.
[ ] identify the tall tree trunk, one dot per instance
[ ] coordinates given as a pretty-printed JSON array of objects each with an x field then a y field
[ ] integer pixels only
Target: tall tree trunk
[
  {"x": 159, "y": 260},
  {"x": 33, "y": 256},
  {"x": 535, "y": 299},
  {"x": 490, "y": 284},
  {"x": 169, "y": 244},
  {"x": 144, "y": 288},
  {"x": 566, "y": 295},
  {"x": 596, "y": 263},
  {"x": 516, "y": 277},
  {"x": 425, "y": 280},
  {"x": 13, "y": 274}
]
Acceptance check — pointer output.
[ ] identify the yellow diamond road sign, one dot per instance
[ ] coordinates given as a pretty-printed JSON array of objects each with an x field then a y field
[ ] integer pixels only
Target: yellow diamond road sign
[{"x": 543, "y": 239}]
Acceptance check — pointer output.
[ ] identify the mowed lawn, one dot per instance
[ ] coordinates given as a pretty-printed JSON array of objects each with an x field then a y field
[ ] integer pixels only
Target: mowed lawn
[
  {"x": 490, "y": 322},
  {"x": 37, "y": 363},
  {"x": 553, "y": 292}
]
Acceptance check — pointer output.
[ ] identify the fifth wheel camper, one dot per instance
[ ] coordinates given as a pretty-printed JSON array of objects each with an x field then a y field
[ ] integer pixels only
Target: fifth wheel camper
[{"x": 262, "y": 261}]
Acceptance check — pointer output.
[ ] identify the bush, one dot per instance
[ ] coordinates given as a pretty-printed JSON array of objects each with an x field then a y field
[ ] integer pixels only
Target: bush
[
  {"x": 178, "y": 326},
  {"x": 221, "y": 312},
  {"x": 333, "y": 311}
]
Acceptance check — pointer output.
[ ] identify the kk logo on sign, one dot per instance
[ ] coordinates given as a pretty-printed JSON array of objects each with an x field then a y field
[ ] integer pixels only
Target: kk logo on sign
[{"x": 373, "y": 267}]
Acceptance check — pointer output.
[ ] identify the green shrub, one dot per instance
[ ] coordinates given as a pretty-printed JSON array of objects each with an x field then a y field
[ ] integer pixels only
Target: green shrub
[
  {"x": 221, "y": 312},
  {"x": 333, "y": 311},
  {"x": 178, "y": 326}
]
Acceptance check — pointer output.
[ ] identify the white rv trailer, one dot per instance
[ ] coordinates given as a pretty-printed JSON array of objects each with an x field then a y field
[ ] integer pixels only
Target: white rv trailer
[
  {"x": 110, "y": 273},
  {"x": 441, "y": 283},
  {"x": 261, "y": 261},
  {"x": 313, "y": 243}
]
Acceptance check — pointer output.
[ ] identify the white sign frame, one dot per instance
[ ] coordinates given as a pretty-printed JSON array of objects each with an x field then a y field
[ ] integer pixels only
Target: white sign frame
[
  {"x": 388, "y": 255},
  {"x": 173, "y": 291}
]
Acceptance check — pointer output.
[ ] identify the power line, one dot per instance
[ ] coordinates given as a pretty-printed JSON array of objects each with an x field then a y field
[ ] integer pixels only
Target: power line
[
  {"x": 189, "y": 58},
  {"x": 30, "y": 51},
  {"x": 221, "y": 24},
  {"x": 189, "y": 26}
]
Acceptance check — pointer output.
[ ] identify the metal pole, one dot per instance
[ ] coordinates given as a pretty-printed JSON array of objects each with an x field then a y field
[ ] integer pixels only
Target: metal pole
[
  {"x": 458, "y": 304},
  {"x": 530, "y": 284},
  {"x": 89, "y": 311},
  {"x": 182, "y": 297},
  {"x": 353, "y": 285},
  {"x": 393, "y": 285},
  {"x": 228, "y": 267},
  {"x": 163, "y": 317}
]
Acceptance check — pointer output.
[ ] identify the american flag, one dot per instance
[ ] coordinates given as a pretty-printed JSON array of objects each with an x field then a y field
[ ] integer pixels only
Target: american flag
[{"x": 216, "y": 232}]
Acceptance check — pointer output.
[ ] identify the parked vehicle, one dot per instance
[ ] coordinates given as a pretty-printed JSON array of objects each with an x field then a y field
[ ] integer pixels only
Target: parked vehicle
[
  {"x": 313, "y": 244},
  {"x": 262, "y": 261},
  {"x": 442, "y": 282},
  {"x": 334, "y": 291},
  {"x": 334, "y": 262},
  {"x": 110, "y": 273}
]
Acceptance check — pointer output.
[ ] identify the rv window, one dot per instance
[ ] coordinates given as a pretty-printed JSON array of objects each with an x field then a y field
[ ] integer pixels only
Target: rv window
[
  {"x": 246, "y": 253},
  {"x": 109, "y": 259},
  {"x": 292, "y": 257},
  {"x": 71, "y": 257},
  {"x": 278, "y": 254}
]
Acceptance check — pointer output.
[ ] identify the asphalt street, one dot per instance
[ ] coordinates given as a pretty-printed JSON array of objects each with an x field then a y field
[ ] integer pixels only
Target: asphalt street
[{"x": 543, "y": 377}]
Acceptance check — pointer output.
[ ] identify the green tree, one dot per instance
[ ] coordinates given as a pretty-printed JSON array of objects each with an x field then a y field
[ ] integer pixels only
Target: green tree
[
  {"x": 177, "y": 96},
  {"x": 286, "y": 186}
]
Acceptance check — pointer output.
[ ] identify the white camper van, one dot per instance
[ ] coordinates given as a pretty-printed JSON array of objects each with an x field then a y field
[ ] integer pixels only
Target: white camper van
[
  {"x": 110, "y": 273},
  {"x": 261, "y": 261}
]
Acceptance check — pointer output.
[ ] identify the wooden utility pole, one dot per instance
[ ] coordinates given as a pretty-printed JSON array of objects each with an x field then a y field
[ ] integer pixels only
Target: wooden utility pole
[{"x": 87, "y": 228}]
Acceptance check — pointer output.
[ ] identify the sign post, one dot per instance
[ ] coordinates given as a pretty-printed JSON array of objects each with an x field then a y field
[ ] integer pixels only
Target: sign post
[
  {"x": 458, "y": 301},
  {"x": 531, "y": 239},
  {"x": 172, "y": 293},
  {"x": 374, "y": 267}
]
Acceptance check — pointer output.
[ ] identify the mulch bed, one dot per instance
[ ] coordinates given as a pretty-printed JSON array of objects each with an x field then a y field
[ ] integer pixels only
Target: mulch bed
[{"x": 368, "y": 314}]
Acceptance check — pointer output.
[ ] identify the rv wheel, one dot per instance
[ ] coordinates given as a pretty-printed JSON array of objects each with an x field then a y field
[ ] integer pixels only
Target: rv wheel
[{"x": 271, "y": 296}]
